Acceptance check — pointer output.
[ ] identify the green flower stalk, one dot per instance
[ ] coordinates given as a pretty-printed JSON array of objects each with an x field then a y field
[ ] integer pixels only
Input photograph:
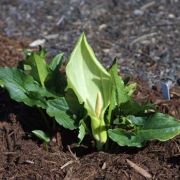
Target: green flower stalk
[{"x": 98, "y": 125}]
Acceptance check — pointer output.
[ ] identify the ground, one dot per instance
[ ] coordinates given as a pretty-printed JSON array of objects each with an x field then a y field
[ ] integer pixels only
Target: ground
[{"x": 143, "y": 35}]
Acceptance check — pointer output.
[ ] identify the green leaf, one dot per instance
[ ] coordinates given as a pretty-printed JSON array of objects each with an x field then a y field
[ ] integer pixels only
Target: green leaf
[
  {"x": 22, "y": 87},
  {"x": 17, "y": 83},
  {"x": 42, "y": 52},
  {"x": 1, "y": 83},
  {"x": 124, "y": 138},
  {"x": 156, "y": 126},
  {"x": 121, "y": 96},
  {"x": 82, "y": 131},
  {"x": 130, "y": 88},
  {"x": 129, "y": 120},
  {"x": 133, "y": 108},
  {"x": 56, "y": 61},
  {"x": 39, "y": 69},
  {"x": 87, "y": 77},
  {"x": 159, "y": 126},
  {"x": 121, "y": 93},
  {"x": 59, "y": 109},
  {"x": 42, "y": 135},
  {"x": 56, "y": 80},
  {"x": 74, "y": 104},
  {"x": 136, "y": 121},
  {"x": 26, "y": 67}
]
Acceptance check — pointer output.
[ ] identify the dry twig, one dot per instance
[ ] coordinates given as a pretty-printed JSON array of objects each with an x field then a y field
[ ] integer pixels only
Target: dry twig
[
  {"x": 139, "y": 169},
  {"x": 143, "y": 37},
  {"x": 148, "y": 5},
  {"x": 67, "y": 164},
  {"x": 71, "y": 161},
  {"x": 73, "y": 155}
]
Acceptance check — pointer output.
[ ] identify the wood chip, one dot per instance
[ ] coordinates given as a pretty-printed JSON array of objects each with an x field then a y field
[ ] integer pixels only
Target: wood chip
[
  {"x": 104, "y": 166},
  {"x": 139, "y": 169},
  {"x": 51, "y": 36},
  {"x": 148, "y": 5},
  {"x": 143, "y": 37},
  {"x": 67, "y": 164}
]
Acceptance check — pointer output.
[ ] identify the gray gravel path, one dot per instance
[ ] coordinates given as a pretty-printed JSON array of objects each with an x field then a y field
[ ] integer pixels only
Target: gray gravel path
[{"x": 144, "y": 35}]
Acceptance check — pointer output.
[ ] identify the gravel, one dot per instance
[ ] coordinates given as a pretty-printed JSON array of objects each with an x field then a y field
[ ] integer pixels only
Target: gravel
[{"x": 144, "y": 35}]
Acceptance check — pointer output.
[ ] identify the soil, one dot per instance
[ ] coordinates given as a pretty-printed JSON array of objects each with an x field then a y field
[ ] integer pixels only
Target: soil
[
  {"x": 144, "y": 35},
  {"x": 23, "y": 157}
]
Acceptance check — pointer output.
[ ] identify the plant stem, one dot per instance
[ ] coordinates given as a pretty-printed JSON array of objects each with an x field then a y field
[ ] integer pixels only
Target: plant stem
[
  {"x": 45, "y": 145},
  {"x": 99, "y": 132}
]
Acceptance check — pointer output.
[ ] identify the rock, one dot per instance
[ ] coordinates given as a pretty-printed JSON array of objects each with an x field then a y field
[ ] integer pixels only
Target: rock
[
  {"x": 51, "y": 36},
  {"x": 138, "y": 12},
  {"x": 171, "y": 16},
  {"x": 36, "y": 43},
  {"x": 165, "y": 87},
  {"x": 102, "y": 26}
]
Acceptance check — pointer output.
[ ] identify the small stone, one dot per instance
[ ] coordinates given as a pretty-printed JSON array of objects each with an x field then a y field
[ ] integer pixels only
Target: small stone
[
  {"x": 49, "y": 17},
  {"x": 36, "y": 43},
  {"x": 51, "y": 36},
  {"x": 104, "y": 166},
  {"x": 171, "y": 16},
  {"x": 138, "y": 12},
  {"x": 106, "y": 50},
  {"x": 102, "y": 26},
  {"x": 165, "y": 88}
]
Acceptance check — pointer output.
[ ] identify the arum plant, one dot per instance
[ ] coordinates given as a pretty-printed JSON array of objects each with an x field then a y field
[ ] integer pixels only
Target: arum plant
[
  {"x": 89, "y": 98},
  {"x": 92, "y": 85}
]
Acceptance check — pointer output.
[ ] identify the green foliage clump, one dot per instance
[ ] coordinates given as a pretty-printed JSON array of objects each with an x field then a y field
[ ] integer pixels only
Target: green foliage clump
[{"x": 86, "y": 97}]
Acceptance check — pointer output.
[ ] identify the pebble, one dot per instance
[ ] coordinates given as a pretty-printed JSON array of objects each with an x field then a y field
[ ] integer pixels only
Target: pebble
[
  {"x": 51, "y": 36},
  {"x": 36, "y": 43},
  {"x": 171, "y": 16},
  {"x": 104, "y": 166},
  {"x": 165, "y": 87},
  {"x": 106, "y": 50},
  {"x": 138, "y": 12},
  {"x": 102, "y": 26}
]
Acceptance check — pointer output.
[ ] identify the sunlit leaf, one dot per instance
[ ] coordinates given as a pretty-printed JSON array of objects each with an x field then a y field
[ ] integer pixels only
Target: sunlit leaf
[
  {"x": 157, "y": 126},
  {"x": 92, "y": 85},
  {"x": 82, "y": 131},
  {"x": 87, "y": 77},
  {"x": 39, "y": 69},
  {"x": 22, "y": 87},
  {"x": 42, "y": 135},
  {"x": 124, "y": 138},
  {"x": 56, "y": 61}
]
